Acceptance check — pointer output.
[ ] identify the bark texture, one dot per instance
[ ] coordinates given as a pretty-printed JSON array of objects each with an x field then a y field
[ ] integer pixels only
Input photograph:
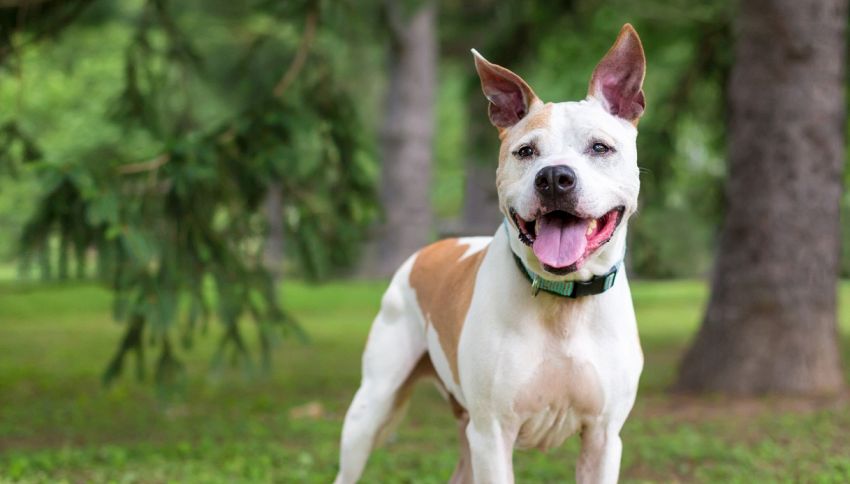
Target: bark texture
[
  {"x": 273, "y": 250},
  {"x": 406, "y": 142},
  {"x": 481, "y": 215},
  {"x": 770, "y": 326}
]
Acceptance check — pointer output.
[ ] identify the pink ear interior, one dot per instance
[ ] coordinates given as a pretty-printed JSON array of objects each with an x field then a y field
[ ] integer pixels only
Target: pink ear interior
[
  {"x": 618, "y": 78},
  {"x": 509, "y": 96},
  {"x": 507, "y": 103},
  {"x": 624, "y": 96}
]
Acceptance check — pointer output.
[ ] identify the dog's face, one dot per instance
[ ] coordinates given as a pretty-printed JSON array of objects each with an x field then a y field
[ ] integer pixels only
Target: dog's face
[{"x": 568, "y": 175}]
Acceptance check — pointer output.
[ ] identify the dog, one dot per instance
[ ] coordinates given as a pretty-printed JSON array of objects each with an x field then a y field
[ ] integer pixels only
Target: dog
[{"x": 530, "y": 334}]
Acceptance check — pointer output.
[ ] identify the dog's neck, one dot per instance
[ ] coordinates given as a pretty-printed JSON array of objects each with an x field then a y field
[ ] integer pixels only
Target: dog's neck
[{"x": 600, "y": 264}]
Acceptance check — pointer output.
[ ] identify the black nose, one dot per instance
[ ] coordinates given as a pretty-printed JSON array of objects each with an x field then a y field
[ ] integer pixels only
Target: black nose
[{"x": 555, "y": 181}]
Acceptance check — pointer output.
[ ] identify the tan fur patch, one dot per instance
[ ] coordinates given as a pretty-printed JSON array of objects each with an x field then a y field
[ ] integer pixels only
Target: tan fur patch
[
  {"x": 539, "y": 117},
  {"x": 556, "y": 379},
  {"x": 444, "y": 284}
]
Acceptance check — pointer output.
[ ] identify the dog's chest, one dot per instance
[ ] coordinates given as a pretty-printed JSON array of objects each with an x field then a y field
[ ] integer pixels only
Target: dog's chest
[{"x": 559, "y": 391}]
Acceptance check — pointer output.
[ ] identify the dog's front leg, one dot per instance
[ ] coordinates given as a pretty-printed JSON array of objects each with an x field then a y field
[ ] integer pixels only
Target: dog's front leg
[
  {"x": 491, "y": 447},
  {"x": 599, "y": 461}
]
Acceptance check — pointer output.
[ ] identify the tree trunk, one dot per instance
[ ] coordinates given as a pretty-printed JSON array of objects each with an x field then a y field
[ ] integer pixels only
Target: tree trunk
[
  {"x": 273, "y": 250},
  {"x": 406, "y": 142},
  {"x": 770, "y": 326},
  {"x": 480, "y": 214}
]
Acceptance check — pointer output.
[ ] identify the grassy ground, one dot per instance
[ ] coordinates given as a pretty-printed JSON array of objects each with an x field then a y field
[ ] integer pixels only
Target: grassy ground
[{"x": 58, "y": 423}]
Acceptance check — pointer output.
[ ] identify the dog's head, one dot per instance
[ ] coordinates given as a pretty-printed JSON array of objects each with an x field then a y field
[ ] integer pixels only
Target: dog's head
[{"x": 568, "y": 175}]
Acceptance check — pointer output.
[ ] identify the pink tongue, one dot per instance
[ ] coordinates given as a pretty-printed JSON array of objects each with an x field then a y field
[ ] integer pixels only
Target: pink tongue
[{"x": 560, "y": 240}]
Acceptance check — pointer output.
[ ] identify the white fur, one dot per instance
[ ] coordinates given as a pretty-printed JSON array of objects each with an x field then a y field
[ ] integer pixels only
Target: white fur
[
  {"x": 509, "y": 335},
  {"x": 605, "y": 182}
]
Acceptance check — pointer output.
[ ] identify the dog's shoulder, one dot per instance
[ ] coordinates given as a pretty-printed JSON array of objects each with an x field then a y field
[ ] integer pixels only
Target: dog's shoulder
[
  {"x": 448, "y": 258},
  {"x": 443, "y": 279}
]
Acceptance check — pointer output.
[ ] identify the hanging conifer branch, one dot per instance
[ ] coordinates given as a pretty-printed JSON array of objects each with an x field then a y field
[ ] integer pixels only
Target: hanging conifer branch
[
  {"x": 175, "y": 235},
  {"x": 300, "y": 55}
]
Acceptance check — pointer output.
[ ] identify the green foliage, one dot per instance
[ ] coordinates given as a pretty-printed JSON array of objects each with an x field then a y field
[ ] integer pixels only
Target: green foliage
[
  {"x": 44, "y": 20},
  {"x": 58, "y": 423},
  {"x": 198, "y": 116},
  {"x": 449, "y": 157}
]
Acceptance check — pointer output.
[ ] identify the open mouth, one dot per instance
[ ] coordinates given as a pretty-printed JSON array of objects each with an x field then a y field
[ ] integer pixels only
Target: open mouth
[{"x": 562, "y": 241}]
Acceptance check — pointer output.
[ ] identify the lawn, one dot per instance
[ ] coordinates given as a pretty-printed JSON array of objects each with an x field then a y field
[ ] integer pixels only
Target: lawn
[{"x": 57, "y": 423}]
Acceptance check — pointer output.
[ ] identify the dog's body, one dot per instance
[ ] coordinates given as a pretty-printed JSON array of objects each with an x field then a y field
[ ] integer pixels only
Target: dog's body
[{"x": 521, "y": 368}]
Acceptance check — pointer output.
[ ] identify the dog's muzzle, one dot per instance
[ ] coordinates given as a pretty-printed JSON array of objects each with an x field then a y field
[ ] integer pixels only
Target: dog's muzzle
[{"x": 556, "y": 187}]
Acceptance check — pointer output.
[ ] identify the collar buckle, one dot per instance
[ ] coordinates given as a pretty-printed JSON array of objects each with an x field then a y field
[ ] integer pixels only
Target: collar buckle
[
  {"x": 535, "y": 285},
  {"x": 609, "y": 280}
]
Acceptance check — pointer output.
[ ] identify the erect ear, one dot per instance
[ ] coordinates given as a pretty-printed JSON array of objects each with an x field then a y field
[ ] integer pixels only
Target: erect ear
[
  {"x": 617, "y": 80},
  {"x": 510, "y": 97}
]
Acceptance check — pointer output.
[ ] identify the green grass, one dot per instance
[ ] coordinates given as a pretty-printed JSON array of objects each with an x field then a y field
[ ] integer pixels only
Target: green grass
[{"x": 57, "y": 423}]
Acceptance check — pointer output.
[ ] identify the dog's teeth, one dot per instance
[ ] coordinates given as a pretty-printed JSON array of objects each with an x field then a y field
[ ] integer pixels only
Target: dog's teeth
[{"x": 591, "y": 227}]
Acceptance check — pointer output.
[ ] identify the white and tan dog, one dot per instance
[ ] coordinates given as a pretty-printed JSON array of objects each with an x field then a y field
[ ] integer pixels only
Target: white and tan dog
[{"x": 531, "y": 334}]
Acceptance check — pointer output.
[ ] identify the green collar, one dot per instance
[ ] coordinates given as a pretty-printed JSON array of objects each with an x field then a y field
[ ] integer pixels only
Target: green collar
[{"x": 572, "y": 289}]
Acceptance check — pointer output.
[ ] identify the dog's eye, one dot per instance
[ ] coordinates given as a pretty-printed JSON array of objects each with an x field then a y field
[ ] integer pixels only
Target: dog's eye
[
  {"x": 524, "y": 151},
  {"x": 600, "y": 148}
]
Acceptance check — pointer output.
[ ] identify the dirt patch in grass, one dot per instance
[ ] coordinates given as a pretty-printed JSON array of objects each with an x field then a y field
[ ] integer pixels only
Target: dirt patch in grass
[{"x": 699, "y": 408}]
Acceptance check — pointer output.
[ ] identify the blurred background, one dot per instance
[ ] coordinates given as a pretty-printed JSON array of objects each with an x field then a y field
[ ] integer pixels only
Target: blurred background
[{"x": 201, "y": 203}]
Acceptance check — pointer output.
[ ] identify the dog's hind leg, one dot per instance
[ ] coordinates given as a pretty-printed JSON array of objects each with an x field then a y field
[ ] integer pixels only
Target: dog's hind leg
[
  {"x": 394, "y": 359},
  {"x": 463, "y": 470}
]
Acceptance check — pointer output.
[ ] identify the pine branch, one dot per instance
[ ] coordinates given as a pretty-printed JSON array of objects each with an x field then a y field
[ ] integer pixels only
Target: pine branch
[
  {"x": 143, "y": 166},
  {"x": 300, "y": 55}
]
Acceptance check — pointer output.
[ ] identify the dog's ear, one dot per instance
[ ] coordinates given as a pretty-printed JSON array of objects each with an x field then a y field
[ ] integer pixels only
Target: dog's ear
[
  {"x": 510, "y": 97},
  {"x": 617, "y": 80}
]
